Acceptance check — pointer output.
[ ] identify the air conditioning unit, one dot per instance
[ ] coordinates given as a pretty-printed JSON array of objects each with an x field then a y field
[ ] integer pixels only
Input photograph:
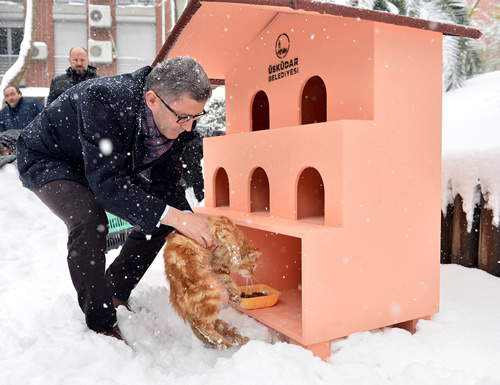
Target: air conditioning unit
[
  {"x": 100, "y": 51},
  {"x": 40, "y": 50},
  {"x": 99, "y": 16}
]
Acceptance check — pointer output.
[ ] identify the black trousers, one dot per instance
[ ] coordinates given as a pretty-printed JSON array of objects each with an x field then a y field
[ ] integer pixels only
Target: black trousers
[{"x": 87, "y": 226}]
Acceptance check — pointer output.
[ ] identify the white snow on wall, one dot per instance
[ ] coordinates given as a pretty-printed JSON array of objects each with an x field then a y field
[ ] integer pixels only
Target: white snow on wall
[{"x": 471, "y": 144}]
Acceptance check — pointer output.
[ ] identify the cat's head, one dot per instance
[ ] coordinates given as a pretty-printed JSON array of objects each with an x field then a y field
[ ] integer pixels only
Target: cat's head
[{"x": 248, "y": 263}]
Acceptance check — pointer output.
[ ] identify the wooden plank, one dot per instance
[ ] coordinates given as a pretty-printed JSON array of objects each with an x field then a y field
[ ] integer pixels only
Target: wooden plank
[
  {"x": 489, "y": 242},
  {"x": 465, "y": 244},
  {"x": 446, "y": 234}
]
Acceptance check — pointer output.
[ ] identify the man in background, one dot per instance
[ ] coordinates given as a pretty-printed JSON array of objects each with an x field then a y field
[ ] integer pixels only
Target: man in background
[
  {"x": 79, "y": 71},
  {"x": 19, "y": 111}
]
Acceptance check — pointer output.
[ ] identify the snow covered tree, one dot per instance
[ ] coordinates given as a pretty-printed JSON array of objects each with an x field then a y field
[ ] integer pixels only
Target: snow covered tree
[{"x": 216, "y": 114}]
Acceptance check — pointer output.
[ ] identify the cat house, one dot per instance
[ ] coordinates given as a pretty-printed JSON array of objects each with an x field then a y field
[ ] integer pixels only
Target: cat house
[{"x": 331, "y": 163}]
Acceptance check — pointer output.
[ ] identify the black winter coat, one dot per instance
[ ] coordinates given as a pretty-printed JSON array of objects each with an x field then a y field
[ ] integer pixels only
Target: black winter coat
[
  {"x": 69, "y": 139},
  {"x": 63, "y": 82}
]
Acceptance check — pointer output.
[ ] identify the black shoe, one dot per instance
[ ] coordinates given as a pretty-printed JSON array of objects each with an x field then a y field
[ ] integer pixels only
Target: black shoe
[
  {"x": 114, "y": 332},
  {"x": 120, "y": 302}
]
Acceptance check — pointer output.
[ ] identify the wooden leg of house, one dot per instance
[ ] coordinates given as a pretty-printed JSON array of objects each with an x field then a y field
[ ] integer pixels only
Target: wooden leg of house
[
  {"x": 321, "y": 350},
  {"x": 411, "y": 325}
]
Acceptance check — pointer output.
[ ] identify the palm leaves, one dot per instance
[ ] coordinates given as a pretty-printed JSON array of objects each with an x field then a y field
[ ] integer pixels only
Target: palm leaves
[
  {"x": 461, "y": 57},
  {"x": 489, "y": 24}
]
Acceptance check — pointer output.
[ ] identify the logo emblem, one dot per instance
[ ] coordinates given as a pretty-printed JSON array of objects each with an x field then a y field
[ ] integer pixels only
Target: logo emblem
[{"x": 282, "y": 45}]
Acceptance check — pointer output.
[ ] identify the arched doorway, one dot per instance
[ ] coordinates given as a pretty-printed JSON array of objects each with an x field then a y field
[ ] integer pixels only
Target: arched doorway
[
  {"x": 311, "y": 196},
  {"x": 259, "y": 191},
  {"x": 260, "y": 112},
  {"x": 221, "y": 188},
  {"x": 313, "y": 104}
]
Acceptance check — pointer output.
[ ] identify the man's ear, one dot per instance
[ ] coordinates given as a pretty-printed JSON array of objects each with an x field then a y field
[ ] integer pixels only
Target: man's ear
[{"x": 151, "y": 100}]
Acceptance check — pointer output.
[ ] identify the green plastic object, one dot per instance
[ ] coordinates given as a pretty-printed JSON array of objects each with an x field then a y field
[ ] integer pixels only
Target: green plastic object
[
  {"x": 117, "y": 224},
  {"x": 118, "y": 232}
]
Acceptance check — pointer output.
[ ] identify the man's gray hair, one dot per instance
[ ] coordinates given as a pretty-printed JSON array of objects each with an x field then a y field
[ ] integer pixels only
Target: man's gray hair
[{"x": 177, "y": 76}]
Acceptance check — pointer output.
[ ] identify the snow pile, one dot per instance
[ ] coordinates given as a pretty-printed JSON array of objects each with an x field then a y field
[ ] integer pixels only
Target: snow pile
[{"x": 471, "y": 143}]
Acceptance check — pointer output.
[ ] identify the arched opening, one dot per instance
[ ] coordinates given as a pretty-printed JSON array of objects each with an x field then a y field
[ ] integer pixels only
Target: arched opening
[
  {"x": 313, "y": 105},
  {"x": 260, "y": 112},
  {"x": 311, "y": 196},
  {"x": 259, "y": 192},
  {"x": 221, "y": 188}
]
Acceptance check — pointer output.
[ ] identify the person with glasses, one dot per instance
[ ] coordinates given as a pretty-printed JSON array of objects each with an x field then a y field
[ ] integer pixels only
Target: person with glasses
[
  {"x": 115, "y": 144},
  {"x": 78, "y": 71}
]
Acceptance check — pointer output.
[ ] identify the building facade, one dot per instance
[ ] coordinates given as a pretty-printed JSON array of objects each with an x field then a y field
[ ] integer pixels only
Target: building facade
[{"x": 120, "y": 35}]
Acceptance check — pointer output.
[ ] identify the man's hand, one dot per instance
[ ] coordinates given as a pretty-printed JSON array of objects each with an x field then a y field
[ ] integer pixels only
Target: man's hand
[{"x": 194, "y": 226}]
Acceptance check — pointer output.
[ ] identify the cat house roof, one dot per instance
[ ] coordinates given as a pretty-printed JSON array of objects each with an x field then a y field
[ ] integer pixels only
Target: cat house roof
[{"x": 216, "y": 31}]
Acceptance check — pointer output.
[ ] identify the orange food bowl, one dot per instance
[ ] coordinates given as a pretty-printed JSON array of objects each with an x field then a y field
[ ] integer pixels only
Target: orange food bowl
[{"x": 267, "y": 300}]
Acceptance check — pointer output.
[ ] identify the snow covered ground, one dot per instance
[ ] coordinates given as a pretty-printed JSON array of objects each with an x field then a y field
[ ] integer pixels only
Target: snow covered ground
[{"x": 45, "y": 341}]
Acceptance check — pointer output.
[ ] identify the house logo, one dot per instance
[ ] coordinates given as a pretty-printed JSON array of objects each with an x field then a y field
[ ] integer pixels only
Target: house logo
[
  {"x": 282, "y": 45},
  {"x": 285, "y": 67}
]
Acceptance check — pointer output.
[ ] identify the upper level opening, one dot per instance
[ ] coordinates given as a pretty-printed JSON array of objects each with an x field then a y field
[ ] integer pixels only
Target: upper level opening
[
  {"x": 313, "y": 104},
  {"x": 260, "y": 112},
  {"x": 259, "y": 192},
  {"x": 311, "y": 196}
]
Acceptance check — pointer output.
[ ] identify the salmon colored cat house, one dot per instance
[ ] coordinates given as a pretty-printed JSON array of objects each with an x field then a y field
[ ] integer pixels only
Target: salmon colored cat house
[{"x": 332, "y": 160}]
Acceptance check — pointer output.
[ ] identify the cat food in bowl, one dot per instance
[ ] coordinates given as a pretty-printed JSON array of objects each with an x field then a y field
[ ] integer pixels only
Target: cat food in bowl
[{"x": 258, "y": 296}]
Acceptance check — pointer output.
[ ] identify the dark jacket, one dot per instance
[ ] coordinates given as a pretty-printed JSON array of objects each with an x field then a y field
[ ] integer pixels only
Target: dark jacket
[
  {"x": 21, "y": 115},
  {"x": 68, "y": 140},
  {"x": 63, "y": 82},
  {"x": 8, "y": 142}
]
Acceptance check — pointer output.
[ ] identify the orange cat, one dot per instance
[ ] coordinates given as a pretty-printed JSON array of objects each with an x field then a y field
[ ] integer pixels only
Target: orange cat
[{"x": 194, "y": 290}]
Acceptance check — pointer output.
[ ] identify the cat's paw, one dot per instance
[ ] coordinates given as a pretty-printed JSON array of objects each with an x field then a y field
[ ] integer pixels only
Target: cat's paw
[{"x": 234, "y": 301}]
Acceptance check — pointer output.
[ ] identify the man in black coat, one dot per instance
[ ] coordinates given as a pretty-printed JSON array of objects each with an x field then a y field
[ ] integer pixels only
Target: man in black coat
[
  {"x": 18, "y": 112},
  {"x": 78, "y": 71},
  {"x": 115, "y": 144}
]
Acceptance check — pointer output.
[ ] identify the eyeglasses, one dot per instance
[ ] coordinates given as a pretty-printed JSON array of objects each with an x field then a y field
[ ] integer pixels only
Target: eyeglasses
[{"x": 182, "y": 119}]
